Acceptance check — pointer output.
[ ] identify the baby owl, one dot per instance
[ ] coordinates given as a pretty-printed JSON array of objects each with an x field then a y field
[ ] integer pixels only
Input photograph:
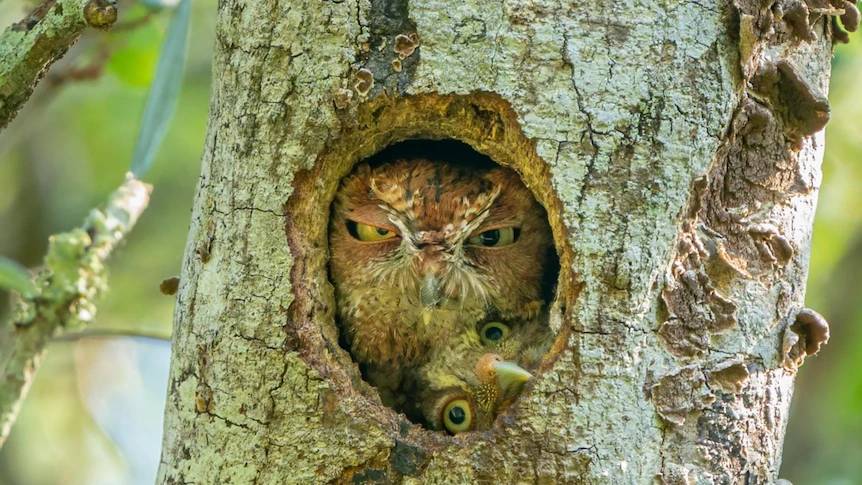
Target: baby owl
[
  {"x": 423, "y": 251},
  {"x": 464, "y": 386}
]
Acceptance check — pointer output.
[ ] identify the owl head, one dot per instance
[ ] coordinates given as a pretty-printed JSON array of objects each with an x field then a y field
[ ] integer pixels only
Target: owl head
[
  {"x": 422, "y": 250},
  {"x": 465, "y": 385},
  {"x": 476, "y": 400}
]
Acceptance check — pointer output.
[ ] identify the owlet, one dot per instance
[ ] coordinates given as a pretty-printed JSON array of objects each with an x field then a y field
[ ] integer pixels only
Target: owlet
[
  {"x": 422, "y": 251},
  {"x": 464, "y": 386}
]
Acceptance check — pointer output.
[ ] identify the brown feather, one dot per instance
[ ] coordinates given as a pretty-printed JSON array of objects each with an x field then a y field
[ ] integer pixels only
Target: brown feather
[
  {"x": 434, "y": 207},
  {"x": 461, "y": 371}
]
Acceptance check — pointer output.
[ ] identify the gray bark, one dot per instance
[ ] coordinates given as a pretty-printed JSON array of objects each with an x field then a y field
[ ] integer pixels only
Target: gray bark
[{"x": 676, "y": 147}]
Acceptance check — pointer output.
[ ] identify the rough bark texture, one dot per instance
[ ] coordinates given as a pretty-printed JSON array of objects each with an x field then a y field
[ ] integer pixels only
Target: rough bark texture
[{"x": 676, "y": 146}]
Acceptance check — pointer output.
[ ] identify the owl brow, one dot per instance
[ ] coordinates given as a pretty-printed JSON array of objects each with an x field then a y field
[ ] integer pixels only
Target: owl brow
[
  {"x": 370, "y": 215},
  {"x": 490, "y": 224},
  {"x": 498, "y": 219},
  {"x": 394, "y": 218},
  {"x": 483, "y": 212},
  {"x": 393, "y": 215}
]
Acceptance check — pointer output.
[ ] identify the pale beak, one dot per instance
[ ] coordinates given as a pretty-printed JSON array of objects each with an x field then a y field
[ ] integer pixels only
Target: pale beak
[
  {"x": 510, "y": 376},
  {"x": 429, "y": 292}
]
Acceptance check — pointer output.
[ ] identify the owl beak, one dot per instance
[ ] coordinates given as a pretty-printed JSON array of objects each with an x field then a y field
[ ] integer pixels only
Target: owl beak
[
  {"x": 510, "y": 376},
  {"x": 429, "y": 292}
]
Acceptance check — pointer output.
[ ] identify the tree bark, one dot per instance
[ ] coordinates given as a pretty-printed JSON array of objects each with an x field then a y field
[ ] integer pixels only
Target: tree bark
[{"x": 676, "y": 147}]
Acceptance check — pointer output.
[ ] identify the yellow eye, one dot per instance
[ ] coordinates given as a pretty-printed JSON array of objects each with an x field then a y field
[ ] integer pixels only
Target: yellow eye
[
  {"x": 368, "y": 233},
  {"x": 457, "y": 416},
  {"x": 493, "y": 333},
  {"x": 495, "y": 237}
]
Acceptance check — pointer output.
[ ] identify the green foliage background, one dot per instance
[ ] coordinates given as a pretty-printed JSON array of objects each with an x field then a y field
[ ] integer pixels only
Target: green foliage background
[{"x": 72, "y": 145}]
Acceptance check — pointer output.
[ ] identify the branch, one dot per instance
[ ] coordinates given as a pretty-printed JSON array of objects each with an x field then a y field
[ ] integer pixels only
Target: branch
[
  {"x": 29, "y": 47},
  {"x": 72, "y": 278},
  {"x": 92, "y": 70}
]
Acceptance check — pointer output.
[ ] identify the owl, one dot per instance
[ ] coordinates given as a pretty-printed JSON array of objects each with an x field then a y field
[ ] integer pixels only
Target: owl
[
  {"x": 463, "y": 387},
  {"x": 421, "y": 251}
]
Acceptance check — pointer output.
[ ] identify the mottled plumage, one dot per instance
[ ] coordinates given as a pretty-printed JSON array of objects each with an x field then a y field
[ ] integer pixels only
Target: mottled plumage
[
  {"x": 422, "y": 251},
  {"x": 465, "y": 371}
]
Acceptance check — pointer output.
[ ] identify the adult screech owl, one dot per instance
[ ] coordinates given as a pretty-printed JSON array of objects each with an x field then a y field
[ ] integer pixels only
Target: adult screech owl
[{"x": 422, "y": 251}]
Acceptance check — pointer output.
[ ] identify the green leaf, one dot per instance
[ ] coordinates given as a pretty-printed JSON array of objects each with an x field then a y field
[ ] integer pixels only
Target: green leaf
[
  {"x": 162, "y": 99},
  {"x": 135, "y": 62},
  {"x": 13, "y": 276}
]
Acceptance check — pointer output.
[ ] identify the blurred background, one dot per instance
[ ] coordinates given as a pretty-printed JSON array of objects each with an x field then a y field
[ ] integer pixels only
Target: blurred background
[{"x": 93, "y": 415}]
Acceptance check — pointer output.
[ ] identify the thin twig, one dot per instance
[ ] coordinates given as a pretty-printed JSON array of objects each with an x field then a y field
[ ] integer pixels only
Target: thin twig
[
  {"x": 90, "y": 71},
  {"x": 72, "y": 278}
]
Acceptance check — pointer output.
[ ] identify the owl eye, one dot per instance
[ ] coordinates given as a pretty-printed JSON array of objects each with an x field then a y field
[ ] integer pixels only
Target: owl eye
[
  {"x": 457, "y": 416},
  {"x": 495, "y": 237},
  {"x": 493, "y": 333},
  {"x": 368, "y": 233}
]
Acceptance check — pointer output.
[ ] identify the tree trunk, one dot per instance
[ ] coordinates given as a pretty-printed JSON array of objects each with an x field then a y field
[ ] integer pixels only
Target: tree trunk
[{"x": 676, "y": 147}]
